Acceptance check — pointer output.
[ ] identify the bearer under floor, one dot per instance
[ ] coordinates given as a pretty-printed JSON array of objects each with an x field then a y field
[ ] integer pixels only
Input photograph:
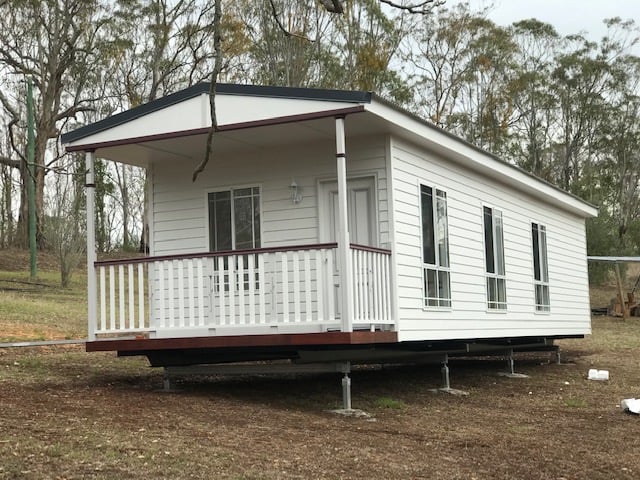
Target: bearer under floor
[{"x": 355, "y": 347}]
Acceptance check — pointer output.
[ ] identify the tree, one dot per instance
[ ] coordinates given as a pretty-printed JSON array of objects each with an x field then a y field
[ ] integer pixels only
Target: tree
[
  {"x": 64, "y": 225},
  {"x": 372, "y": 50},
  {"x": 55, "y": 43},
  {"x": 442, "y": 56},
  {"x": 580, "y": 82},
  {"x": 285, "y": 43},
  {"x": 534, "y": 104}
]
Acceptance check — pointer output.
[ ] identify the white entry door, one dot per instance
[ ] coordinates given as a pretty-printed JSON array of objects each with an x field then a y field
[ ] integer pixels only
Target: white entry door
[
  {"x": 362, "y": 211},
  {"x": 361, "y": 203}
]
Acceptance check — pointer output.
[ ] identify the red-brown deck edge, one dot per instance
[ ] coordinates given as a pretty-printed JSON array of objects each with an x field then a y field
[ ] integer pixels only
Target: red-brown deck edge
[{"x": 275, "y": 340}]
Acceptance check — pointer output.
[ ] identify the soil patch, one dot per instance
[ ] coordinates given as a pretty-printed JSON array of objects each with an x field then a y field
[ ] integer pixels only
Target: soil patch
[{"x": 69, "y": 414}]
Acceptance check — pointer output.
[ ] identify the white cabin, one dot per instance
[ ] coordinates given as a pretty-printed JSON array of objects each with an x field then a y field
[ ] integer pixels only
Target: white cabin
[{"x": 328, "y": 218}]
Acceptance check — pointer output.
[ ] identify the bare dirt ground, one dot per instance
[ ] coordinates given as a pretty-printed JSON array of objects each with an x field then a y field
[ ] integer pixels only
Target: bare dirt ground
[{"x": 66, "y": 414}]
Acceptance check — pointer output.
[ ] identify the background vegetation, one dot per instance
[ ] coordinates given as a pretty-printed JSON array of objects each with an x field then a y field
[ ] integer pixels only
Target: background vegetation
[{"x": 564, "y": 108}]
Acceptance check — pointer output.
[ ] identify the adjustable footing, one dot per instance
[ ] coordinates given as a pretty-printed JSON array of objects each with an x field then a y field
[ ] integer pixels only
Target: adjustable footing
[
  {"x": 446, "y": 383},
  {"x": 346, "y": 392},
  {"x": 346, "y": 409},
  {"x": 167, "y": 382},
  {"x": 511, "y": 373}
]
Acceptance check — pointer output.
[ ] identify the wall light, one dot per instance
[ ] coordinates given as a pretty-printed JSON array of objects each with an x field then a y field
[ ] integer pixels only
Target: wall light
[{"x": 296, "y": 192}]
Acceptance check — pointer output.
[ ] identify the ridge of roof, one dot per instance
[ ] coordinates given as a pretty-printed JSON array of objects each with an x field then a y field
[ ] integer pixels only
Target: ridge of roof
[{"x": 346, "y": 96}]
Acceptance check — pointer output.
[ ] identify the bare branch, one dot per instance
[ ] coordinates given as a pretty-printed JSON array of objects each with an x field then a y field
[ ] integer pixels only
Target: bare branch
[
  {"x": 276, "y": 17},
  {"x": 217, "y": 47},
  {"x": 421, "y": 8},
  {"x": 9, "y": 162}
]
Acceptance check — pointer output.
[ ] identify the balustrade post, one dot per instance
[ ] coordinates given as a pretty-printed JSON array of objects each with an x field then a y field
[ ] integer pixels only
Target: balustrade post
[
  {"x": 344, "y": 248},
  {"x": 92, "y": 294}
]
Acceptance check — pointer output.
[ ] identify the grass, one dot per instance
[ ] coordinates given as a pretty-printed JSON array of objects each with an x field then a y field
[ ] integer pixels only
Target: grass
[
  {"x": 575, "y": 402},
  {"x": 41, "y": 310},
  {"x": 387, "y": 402}
]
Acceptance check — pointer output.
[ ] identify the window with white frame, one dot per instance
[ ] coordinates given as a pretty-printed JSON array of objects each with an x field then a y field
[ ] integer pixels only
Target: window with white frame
[
  {"x": 494, "y": 259},
  {"x": 540, "y": 267},
  {"x": 435, "y": 247},
  {"x": 234, "y": 219},
  {"x": 234, "y": 224}
]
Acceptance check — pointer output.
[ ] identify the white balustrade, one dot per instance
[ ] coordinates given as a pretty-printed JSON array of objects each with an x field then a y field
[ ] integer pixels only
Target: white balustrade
[
  {"x": 371, "y": 286},
  {"x": 221, "y": 292}
]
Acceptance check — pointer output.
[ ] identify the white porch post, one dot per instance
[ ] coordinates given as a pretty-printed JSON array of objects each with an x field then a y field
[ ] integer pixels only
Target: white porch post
[
  {"x": 92, "y": 294},
  {"x": 344, "y": 248}
]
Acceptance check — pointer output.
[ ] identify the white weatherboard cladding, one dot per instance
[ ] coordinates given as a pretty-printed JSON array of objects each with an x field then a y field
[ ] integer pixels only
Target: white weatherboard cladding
[
  {"x": 468, "y": 317},
  {"x": 180, "y": 207}
]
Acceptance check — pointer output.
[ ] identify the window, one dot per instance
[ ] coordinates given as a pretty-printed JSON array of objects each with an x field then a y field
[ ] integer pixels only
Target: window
[
  {"x": 494, "y": 259},
  {"x": 435, "y": 247},
  {"x": 540, "y": 267},
  {"x": 234, "y": 224},
  {"x": 234, "y": 219}
]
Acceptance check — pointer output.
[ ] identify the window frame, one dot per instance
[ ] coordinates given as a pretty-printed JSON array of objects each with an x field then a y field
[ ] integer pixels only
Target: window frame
[
  {"x": 231, "y": 190},
  {"x": 540, "y": 267},
  {"x": 436, "y": 270},
  {"x": 495, "y": 277},
  {"x": 243, "y": 258}
]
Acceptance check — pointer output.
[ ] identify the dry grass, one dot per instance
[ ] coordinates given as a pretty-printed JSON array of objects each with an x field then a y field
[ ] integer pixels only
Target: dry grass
[
  {"x": 41, "y": 310},
  {"x": 69, "y": 414}
]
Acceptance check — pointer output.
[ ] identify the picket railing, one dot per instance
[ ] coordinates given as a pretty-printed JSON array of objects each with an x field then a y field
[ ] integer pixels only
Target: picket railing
[
  {"x": 250, "y": 291},
  {"x": 371, "y": 285}
]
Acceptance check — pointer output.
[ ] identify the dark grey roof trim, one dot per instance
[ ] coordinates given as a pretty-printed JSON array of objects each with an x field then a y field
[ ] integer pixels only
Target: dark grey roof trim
[{"x": 223, "y": 88}]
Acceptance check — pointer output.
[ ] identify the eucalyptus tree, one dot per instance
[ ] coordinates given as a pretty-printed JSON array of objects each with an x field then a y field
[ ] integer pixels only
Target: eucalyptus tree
[
  {"x": 166, "y": 48},
  {"x": 440, "y": 51},
  {"x": 56, "y": 45},
  {"x": 464, "y": 78},
  {"x": 581, "y": 80},
  {"x": 287, "y": 43},
  {"x": 6, "y": 195},
  {"x": 366, "y": 40},
  {"x": 487, "y": 107},
  {"x": 619, "y": 148},
  {"x": 535, "y": 106}
]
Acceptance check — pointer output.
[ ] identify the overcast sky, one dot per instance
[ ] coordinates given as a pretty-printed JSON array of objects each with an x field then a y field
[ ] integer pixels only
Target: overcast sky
[{"x": 567, "y": 16}]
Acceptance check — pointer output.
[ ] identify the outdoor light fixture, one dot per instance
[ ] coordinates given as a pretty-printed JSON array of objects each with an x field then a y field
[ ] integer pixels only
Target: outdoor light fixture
[{"x": 296, "y": 192}]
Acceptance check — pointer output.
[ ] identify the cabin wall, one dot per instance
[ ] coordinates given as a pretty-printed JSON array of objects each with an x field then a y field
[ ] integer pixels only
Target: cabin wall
[
  {"x": 469, "y": 317},
  {"x": 179, "y": 220}
]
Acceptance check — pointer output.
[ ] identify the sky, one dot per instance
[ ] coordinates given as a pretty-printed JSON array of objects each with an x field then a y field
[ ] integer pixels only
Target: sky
[{"x": 567, "y": 16}]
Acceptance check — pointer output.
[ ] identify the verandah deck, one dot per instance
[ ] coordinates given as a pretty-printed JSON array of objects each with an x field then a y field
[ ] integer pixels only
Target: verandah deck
[{"x": 282, "y": 290}]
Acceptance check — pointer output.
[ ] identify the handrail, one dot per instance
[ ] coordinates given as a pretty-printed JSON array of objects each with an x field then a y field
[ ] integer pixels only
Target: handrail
[
  {"x": 366, "y": 248},
  {"x": 225, "y": 253}
]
